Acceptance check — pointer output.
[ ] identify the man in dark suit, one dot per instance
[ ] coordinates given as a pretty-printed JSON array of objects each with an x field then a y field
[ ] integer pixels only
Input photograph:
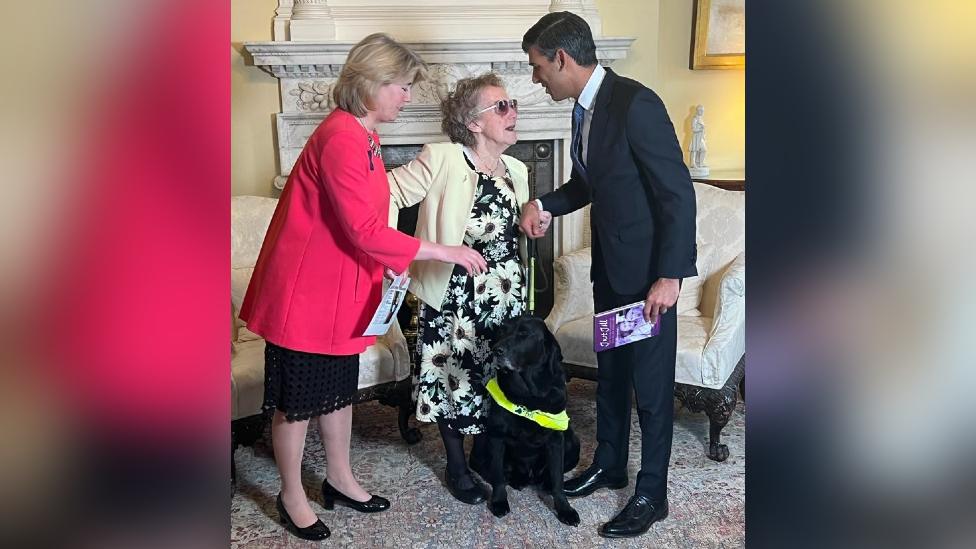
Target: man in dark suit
[{"x": 628, "y": 166}]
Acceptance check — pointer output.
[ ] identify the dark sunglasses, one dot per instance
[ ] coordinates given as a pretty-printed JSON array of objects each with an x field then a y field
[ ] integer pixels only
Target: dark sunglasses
[{"x": 501, "y": 106}]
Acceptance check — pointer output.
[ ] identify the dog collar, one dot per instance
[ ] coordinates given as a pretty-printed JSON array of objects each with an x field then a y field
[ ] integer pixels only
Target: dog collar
[{"x": 557, "y": 422}]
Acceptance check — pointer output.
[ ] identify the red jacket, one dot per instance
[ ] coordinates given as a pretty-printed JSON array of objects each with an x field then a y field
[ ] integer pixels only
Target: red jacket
[{"x": 318, "y": 278}]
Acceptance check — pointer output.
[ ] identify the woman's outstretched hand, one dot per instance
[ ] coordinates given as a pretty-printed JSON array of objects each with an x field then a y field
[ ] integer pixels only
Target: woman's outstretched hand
[
  {"x": 459, "y": 255},
  {"x": 465, "y": 257}
]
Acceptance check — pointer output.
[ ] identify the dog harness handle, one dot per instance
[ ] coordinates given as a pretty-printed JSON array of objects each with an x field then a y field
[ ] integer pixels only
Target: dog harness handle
[
  {"x": 556, "y": 422},
  {"x": 530, "y": 275}
]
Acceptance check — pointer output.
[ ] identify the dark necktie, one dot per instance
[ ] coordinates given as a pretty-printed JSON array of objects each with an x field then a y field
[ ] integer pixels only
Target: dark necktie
[{"x": 576, "y": 146}]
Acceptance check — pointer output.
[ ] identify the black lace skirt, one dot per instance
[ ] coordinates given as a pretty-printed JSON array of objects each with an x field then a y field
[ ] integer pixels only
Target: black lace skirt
[{"x": 304, "y": 385}]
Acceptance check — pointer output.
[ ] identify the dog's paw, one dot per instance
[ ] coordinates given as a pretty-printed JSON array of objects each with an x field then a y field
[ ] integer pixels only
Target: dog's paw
[
  {"x": 568, "y": 516},
  {"x": 499, "y": 508},
  {"x": 412, "y": 435},
  {"x": 718, "y": 452}
]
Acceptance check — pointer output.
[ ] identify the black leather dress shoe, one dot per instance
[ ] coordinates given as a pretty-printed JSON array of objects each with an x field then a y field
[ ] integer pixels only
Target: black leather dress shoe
[
  {"x": 592, "y": 479},
  {"x": 317, "y": 531},
  {"x": 635, "y": 518},
  {"x": 331, "y": 496},
  {"x": 473, "y": 495}
]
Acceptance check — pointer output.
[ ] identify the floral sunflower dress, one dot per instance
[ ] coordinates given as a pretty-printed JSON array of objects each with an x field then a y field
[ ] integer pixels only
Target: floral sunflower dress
[{"x": 453, "y": 345}]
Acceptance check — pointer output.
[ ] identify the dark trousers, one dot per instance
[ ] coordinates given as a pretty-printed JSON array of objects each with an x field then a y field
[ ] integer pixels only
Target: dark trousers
[{"x": 646, "y": 369}]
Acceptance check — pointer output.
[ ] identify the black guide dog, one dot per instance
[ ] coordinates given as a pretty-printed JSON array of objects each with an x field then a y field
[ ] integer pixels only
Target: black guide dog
[{"x": 529, "y": 371}]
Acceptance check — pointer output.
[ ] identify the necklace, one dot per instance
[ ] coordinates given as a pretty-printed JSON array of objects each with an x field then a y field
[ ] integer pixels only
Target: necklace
[
  {"x": 374, "y": 147},
  {"x": 506, "y": 176},
  {"x": 484, "y": 167}
]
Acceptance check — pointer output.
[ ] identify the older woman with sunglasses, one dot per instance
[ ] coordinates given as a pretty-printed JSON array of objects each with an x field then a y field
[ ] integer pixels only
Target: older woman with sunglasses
[
  {"x": 319, "y": 276},
  {"x": 470, "y": 193}
]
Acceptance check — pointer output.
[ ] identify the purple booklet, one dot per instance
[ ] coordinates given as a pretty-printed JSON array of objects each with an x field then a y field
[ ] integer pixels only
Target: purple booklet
[{"x": 621, "y": 326}]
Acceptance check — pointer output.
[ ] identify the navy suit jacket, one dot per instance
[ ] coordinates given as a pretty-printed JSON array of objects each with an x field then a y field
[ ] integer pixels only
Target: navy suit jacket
[{"x": 643, "y": 202}]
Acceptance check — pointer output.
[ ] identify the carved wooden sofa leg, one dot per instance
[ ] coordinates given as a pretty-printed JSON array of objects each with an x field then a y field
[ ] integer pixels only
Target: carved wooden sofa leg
[
  {"x": 718, "y": 417},
  {"x": 411, "y": 435},
  {"x": 243, "y": 432},
  {"x": 400, "y": 397},
  {"x": 718, "y": 405}
]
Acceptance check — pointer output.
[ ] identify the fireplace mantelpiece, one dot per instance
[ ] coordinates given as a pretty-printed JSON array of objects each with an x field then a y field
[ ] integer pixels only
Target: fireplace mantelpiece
[{"x": 308, "y": 70}]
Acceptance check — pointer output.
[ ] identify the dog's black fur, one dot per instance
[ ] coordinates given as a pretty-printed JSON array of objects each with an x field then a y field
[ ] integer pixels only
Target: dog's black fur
[{"x": 521, "y": 452}]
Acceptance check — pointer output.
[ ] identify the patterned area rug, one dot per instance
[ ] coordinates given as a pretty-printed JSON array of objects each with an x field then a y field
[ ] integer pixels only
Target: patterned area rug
[{"x": 707, "y": 499}]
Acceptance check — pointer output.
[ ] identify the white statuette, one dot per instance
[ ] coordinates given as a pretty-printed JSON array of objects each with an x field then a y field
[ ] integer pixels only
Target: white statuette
[{"x": 697, "y": 149}]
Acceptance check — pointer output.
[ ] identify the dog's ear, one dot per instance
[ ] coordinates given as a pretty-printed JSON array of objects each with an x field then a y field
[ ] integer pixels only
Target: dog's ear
[{"x": 554, "y": 354}]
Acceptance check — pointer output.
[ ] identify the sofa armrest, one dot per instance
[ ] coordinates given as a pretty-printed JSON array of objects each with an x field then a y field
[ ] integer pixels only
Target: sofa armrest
[
  {"x": 730, "y": 301},
  {"x": 234, "y": 324},
  {"x": 726, "y": 339},
  {"x": 734, "y": 278},
  {"x": 573, "y": 291}
]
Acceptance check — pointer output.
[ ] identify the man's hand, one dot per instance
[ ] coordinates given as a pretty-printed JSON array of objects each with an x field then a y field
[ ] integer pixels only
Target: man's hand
[
  {"x": 661, "y": 297},
  {"x": 389, "y": 273},
  {"x": 534, "y": 223}
]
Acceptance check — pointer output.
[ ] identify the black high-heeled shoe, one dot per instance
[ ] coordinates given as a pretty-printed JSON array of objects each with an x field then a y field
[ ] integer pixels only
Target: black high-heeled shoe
[
  {"x": 317, "y": 531},
  {"x": 331, "y": 496}
]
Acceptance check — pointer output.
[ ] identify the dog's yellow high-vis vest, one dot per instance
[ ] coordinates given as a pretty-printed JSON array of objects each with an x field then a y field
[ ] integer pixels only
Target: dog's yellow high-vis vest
[{"x": 557, "y": 422}]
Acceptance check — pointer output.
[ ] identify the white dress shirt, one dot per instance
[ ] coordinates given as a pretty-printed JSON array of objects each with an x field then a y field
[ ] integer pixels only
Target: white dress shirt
[{"x": 587, "y": 100}]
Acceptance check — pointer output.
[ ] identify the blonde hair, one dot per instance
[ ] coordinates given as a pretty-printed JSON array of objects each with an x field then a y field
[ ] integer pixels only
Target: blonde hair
[{"x": 376, "y": 60}]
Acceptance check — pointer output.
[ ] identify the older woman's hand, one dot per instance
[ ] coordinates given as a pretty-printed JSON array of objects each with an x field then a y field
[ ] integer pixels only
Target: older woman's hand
[{"x": 545, "y": 219}]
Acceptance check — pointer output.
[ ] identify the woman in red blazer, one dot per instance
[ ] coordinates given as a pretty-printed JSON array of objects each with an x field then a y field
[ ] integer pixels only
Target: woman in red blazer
[{"x": 318, "y": 277}]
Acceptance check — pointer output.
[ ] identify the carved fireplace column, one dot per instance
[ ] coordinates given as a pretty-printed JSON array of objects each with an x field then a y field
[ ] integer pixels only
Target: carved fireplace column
[{"x": 311, "y": 20}]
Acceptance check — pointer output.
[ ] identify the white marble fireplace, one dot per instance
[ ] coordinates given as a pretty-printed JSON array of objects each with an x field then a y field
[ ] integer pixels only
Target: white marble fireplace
[{"x": 457, "y": 38}]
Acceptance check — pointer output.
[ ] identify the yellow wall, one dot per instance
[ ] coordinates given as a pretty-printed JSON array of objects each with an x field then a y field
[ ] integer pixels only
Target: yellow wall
[
  {"x": 665, "y": 27},
  {"x": 637, "y": 19},
  {"x": 254, "y": 101},
  {"x": 658, "y": 58}
]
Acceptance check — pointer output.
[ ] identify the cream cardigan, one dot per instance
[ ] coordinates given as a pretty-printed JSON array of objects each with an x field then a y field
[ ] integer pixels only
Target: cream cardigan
[{"x": 443, "y": 183}]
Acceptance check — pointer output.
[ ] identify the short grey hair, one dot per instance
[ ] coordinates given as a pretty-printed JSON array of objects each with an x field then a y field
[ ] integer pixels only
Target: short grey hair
[{"x": 459, "y": 106}]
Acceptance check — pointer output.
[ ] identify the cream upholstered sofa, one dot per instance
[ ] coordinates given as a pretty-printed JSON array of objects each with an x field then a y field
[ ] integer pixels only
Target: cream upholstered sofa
[
  {"x": 384, "y": 368},
  {"x": 710, "y": 361}
]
